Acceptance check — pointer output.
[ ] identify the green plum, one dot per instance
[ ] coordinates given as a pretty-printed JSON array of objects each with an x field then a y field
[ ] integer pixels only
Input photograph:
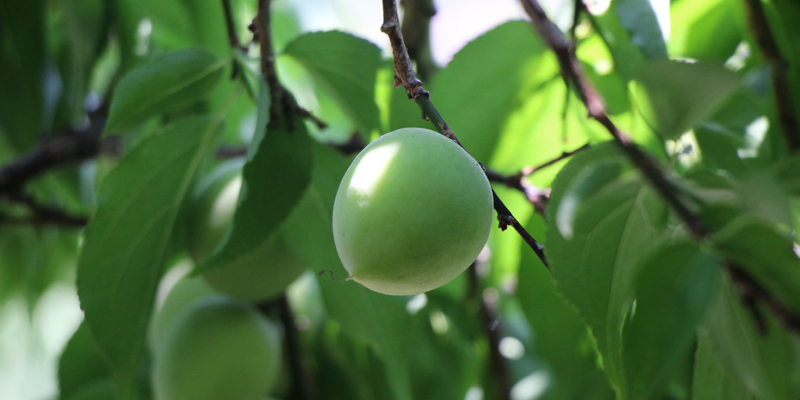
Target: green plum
[
  {"x": 218, "y": 348},
  {"x": 258, "y": 276},
  {"x": 412, "y": 212},
  {"x": 180, "y": 296}
]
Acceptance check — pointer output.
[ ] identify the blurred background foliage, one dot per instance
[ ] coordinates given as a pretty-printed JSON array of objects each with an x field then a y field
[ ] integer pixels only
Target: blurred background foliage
[{"x": 636, "y": 309}]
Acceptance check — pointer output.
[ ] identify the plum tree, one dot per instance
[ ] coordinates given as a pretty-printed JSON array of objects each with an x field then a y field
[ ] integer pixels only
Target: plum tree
[
  {"x": 411, "y": 213},
  {"x": 260, "y": 275},
  {"x": 218, "y": 348}
]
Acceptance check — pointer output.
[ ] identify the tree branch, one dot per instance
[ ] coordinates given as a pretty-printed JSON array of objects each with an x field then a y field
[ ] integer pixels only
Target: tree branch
[
  {"x": 233, "y": 37},
  {"x": 572, "y": 71},
  {"x": 537, "y": 197},
  {"x": 416, "y": 30},
  {"x": 42, "y": 214},
  {"x": 759, "y": 26},
  {"x": 52, "y": 153},
  {"x": 404, "y": 76},
  {"x": 493, "y": 329}
]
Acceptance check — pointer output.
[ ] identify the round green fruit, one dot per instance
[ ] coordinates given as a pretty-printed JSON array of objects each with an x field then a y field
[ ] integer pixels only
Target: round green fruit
[
  {"x": 218, "y": 348},
  {"x": 412, "y": 212},
  {"x": 258, "y": 276},
  {"x": 185, "y": 291}
]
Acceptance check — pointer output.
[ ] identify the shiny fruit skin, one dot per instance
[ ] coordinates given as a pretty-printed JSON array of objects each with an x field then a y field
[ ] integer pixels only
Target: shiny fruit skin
[
  {"x": 258, "y": 276},
  {"x": 218, "y": 348},
  {"x": 412, "y": 212}
]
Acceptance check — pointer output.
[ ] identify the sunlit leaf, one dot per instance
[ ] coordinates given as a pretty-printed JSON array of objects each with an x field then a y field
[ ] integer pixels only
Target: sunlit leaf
[
  {"x": 346, "y": 66},
  {"x": 682, "y": 93}
]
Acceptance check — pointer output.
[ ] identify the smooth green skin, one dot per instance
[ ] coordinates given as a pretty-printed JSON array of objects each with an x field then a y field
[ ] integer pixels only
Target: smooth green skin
[
  {"x": 412, "y": 212},
  {"x": 262, "y": 274},
  {"x": 185, "y": 291},
  {"x": 219, "y": 348}
]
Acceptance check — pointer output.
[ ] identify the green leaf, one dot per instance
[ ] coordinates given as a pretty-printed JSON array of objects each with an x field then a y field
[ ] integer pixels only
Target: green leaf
[
  {"x": 595, "y": 269},
  {"x": 712, "y": 379},
  {"x": 563, "y": 340},
  {"x": 766, "y": 255},
  {"x": 641, "y": 23},
  {"x": 126, "y": 241},
  {"x": 673, "y": 290},
  {"x": 760, "y": 362},
  {"x": 681, "y": 94},
  {"x": 346, "y": 66},
  {"x": 22, "y": 55},
  {"x": 172, "y": 81},
  {"x": 81, "y": 363},
  {"x": 762, "y": 195},
  {"x": 485, "y": 82},
  {"x": 370, "y": 317},
  {"x": 588, "y": 182},
  {"x": 274, "y": 178}
]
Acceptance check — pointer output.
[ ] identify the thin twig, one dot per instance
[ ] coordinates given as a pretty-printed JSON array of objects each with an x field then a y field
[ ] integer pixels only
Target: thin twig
[
  {"x": 759, "y": 26},
  {"x": 416, "y": 30},
  {"x": 233, "y": 37},
  {"x": 536, "y": 196},
  {"x": 404, "y": 76},
  {"x": 647, "y": 166},
  {"x": 564, "y": 155},
  {"x": 492, "y": 327}
]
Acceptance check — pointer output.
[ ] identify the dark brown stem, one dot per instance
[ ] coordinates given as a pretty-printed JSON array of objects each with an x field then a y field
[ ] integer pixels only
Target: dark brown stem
[
  {"x": 279, "y": 100},
  {"x": 537, "y": 197},
  {"x": 493, "y": 329},
  {"x": 233, "y": 37},
  {"x": 404, "y": 76},
  {"x": 759, "y": 26},
  {"x": 416, "y": 30},
  {"x": 573, "y": 72},
  {"x": 753, "y": 293},
  {"x": 748, "y": 287},
  {"x": 51, "y": 153},
  {"x": 301, "y": 384},
  {"x": 42, "y": 214}
]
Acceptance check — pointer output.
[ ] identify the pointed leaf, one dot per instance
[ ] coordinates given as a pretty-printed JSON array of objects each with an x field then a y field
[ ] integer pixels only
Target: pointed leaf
[
  {"x": 712, "y": 379},
  {"x": 641, "y": 23},
  {"x": 127, "y": 239},
  {"x": 587, "y": 183},
  {"x": 346, "y": 66},
  {"x": 682, "y": 93},
  {"x": 485, "y": 81},
  {"x": 170, "y": 82},
  {"x": 81, "y": 363},
  {"x": 274, "y": 178},
  {"x": 563, "y": 340},
  {"x": 595, "y": 269},
  {"x": 673, "y": 289},
  {"x": 760, "y": 362}
]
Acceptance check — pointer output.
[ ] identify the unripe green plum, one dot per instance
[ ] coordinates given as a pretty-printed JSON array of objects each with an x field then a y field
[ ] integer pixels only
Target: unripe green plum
[
  {"x": 258, "y": 276},
  {"x": 185, "y": 291},
  {"x": 219, "y": 348},
  {"x": 412, "y": 212}
]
